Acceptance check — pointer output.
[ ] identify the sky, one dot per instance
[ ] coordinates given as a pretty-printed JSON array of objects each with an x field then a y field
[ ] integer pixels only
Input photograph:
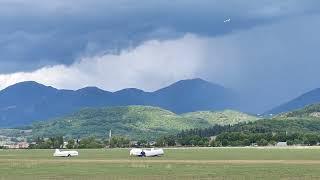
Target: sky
[{"x": 266, "y": 50}]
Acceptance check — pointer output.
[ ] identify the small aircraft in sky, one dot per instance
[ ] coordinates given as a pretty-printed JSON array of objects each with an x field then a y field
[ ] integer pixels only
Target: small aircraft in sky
[{"x": 227, "y": 20}]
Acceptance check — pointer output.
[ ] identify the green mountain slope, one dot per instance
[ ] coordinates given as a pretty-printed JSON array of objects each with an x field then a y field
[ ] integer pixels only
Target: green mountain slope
[
  {"x": 301, "y": 126},
  {"x": 221, "y": 117},
  {"x": 310, "y": 111},
  {"x": 289, "y": 125},
  {"x": 304, "y": 120},
  {"x": 135, "y": 122}
]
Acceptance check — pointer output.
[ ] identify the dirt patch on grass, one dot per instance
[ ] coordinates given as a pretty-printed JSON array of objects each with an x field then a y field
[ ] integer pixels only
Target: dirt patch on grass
[{"x": 124, "y": 161}]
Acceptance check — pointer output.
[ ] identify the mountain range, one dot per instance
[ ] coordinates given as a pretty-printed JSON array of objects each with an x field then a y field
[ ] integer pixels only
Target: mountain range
[
  {"x": 309, "y": 98},
  {"x": 26, "y": 102}
]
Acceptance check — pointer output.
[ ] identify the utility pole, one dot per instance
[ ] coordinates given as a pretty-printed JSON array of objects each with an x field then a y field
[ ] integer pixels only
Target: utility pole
[{"x": 110, "y": 136}]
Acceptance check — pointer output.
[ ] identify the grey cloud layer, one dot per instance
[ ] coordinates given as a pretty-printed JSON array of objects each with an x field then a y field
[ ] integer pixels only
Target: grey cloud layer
[
  {"x": 267, "y": 64},
  {"x": 40, "y": 32},
  {"x": 268, "y": 52}
]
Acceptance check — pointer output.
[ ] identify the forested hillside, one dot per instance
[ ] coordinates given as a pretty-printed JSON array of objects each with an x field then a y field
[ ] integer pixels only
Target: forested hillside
[
  {"x": 135, "y": 122},
  {"x": 301, "y": 126}
]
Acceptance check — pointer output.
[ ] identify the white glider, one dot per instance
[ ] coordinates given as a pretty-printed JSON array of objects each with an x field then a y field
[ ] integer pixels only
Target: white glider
[
  {"x": 59, "y": 153},
  {"x": 146, "y": 153}
]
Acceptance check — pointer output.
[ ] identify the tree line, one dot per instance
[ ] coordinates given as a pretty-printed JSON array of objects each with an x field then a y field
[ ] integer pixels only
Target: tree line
[
  {"x": 239, "y": 139},
  {"x": 83, "y": 143},
  {"x": 265, "y": 139},
  {"x": 261, "y": 133}
]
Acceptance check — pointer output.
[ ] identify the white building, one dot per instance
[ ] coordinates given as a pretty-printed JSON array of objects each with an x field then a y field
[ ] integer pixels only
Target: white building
[{"x": 281, "y": 144}]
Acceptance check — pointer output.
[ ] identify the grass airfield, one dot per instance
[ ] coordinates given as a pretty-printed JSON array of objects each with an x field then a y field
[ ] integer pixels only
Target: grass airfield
[{"x": 201, "y": 163}]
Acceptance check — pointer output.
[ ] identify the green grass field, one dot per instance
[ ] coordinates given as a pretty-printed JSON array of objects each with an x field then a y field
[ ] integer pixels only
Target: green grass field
[{"x": 217, "y": 163}]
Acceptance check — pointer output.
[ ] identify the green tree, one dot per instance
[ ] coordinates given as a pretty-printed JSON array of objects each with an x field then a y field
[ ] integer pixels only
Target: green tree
[
  {"x": 160, "y": 142},
  {"x": 169, "y": 141},
  {"x": 71, "y": 144},
  {"x": 119, "y": 141},
  {"x": 90, "y": 143},
  {"x": 60, "y": 141},
  {"x": 290, "y": 142},
  {"x": 262, "y": 142},
  {"x": 246, "y": 142},
  {"x": 311, "y": 139}
]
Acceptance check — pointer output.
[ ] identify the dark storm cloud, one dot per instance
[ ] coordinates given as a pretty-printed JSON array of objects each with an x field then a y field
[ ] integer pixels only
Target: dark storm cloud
[
  {"x": 38, "y": 33},
  {"x": 268, "y": 51}
]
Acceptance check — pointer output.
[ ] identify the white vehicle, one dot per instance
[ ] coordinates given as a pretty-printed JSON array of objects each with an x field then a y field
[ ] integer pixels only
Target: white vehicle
[
  {"x": 59, "y": 153},
  {"x": 146, "y": 152}
]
